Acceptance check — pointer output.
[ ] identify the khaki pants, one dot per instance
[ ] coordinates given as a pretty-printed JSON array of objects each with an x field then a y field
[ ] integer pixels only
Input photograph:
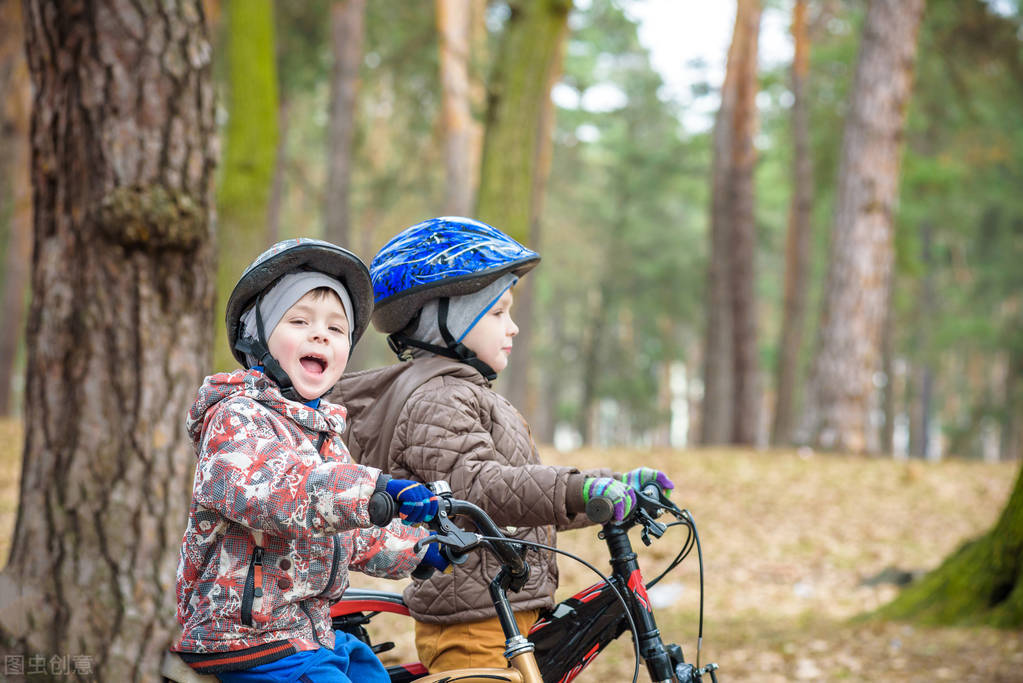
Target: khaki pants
[{"x": 443, "y": 647}]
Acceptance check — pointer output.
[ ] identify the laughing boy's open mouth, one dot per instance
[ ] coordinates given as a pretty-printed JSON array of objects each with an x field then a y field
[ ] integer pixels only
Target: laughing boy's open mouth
[{"x": 313, "y": 364}]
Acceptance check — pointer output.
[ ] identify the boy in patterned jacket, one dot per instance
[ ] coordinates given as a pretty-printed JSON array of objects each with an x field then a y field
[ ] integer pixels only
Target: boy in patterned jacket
[{"x": 279, "y": 511}]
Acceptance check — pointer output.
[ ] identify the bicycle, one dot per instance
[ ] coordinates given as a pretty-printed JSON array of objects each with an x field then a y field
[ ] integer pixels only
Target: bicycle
[{"x": 567, "y": 638}]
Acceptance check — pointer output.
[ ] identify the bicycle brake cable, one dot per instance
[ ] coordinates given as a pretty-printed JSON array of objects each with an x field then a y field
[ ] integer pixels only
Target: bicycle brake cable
[
  {"x": 621, "y": 598},
  {"x": 683, "y": 553},
  {"x": 699, "y": 555}
]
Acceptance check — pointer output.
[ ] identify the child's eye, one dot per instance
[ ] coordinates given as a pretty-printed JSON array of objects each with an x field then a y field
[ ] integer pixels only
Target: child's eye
[{"x": 338, "y": 330}]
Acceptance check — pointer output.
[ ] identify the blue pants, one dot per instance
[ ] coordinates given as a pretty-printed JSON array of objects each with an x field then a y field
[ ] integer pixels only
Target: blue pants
[{"x": 351, "y": 660}]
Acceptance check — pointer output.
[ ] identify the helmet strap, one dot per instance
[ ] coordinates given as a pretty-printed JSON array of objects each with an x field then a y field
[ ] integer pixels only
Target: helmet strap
[
  {"x": 400, "y": 342},
  {"x": 260, "y": 350}
]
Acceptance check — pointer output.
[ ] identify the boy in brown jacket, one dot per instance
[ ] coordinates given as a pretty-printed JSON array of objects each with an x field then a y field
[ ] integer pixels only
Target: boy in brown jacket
[{"x": 442, "y": 292}]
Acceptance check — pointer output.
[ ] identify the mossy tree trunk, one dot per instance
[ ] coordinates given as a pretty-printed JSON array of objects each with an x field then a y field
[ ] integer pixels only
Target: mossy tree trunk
[
  {"x": 15, "y": 193},
  {"x": 250, "y": 150},
  {"x": 518, "y": 133},
  {"x": 980, "y": 583},
  {"x": 118, "y": 331}
]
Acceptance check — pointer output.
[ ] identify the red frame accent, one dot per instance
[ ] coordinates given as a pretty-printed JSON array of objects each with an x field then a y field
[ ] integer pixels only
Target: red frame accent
[
  {"x": 342, "y": 607},
  {"x": 637, "y": 587},
  {"x": 417, "y": 669}
]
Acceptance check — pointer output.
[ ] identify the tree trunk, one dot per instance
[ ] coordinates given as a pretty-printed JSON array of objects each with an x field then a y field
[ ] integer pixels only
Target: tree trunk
[
  {"x": 797, "y": 244},
  {"x": 887, "y": 435},
  {"x": 597, "y": 323},
  {"x": 14, "y": 155},
  {"x": 731, "y": 393},
  {"x": 980, "y": 583},
  {"x": 516, "y": 148},
  {"x": 118, "y": 330},
  {"x": 347, "y": 18},
  {"x": 521, "y": 387},
  {"x": 923, "y": 371},
  {"x": 453, "y": 29},
  {"x": 250, "y": 150},
  {"x": 1012, "y": 424},
  {"x": 718, "y": 381},
  {"x": 519, "y": 88},
  {"x": 276, "y": 204},
  {"x": 745, "y": 359},
  {"x": 855, "y": 295}
]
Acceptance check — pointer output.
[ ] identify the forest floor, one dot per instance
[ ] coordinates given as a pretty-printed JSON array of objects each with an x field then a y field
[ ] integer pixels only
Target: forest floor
[{"x": 792, "y": 545}]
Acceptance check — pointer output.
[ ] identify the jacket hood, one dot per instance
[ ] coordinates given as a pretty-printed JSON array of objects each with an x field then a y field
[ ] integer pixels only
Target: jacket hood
[
  {"x": 374, "y": 399},
  {"x": 254, "y": 385}
]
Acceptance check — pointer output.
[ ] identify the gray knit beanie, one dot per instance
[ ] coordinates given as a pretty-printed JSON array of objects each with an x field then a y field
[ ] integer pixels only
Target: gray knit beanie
[
  {"x": 276, "y": 301},
  {"x": 463, "y": 313}
]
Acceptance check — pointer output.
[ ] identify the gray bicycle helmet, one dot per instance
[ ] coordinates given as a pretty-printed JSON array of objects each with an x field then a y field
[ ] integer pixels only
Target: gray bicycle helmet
[{"x": 292, "y": 256}]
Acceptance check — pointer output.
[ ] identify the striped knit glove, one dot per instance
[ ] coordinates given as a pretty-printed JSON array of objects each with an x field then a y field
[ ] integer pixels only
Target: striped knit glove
[
  {"x": 641, "y": 476},
  {"x": 416, "y": 503},
  {"x": 622, "y": 497}
]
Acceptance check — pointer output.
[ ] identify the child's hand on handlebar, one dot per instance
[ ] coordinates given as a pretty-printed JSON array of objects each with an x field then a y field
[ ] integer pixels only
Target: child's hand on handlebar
[
  {"x": 416, "y": 503},
  {"x": 621, "y": 496},
  {"x": 641, "y": 476}
]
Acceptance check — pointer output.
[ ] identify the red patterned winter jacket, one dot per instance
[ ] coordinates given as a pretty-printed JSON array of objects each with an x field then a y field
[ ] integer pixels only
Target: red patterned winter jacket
[{"x": 279, "y": 514}]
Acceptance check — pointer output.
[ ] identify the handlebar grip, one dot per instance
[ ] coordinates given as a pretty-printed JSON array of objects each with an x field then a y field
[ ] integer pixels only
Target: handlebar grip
[
  {"x": 382, "y": 508},
  {"x": 600, "y": 510}
]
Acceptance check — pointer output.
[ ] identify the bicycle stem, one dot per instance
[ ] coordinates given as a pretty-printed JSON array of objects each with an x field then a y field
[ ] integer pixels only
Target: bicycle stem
[{"x": 625, "y": 567}]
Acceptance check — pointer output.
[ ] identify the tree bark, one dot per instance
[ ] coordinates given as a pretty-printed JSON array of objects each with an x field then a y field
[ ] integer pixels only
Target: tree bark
[
  {"x": 250, "y": 150},
  {"x": 454, "y": 29},
  {"x": 347, "y": 18},
  {"x": 516, "y": 148},
  {"x": 14, "y": 155},
  {"x": 731, "y": 369},
  {"x": 521, "y": 387},
  {"x": 118, "y": 331},
  {"x": 745, "y": 359},
  {"x": 519, "y": 88},
  {"x": 855, "y": 298},
  {"x": 276, "y": 204},
  {"x": 980, "y": 583},
  {"x": 887, "y": 435},
  {"x": 797, "y": 243},
  {"x": 923, "y": 370}
]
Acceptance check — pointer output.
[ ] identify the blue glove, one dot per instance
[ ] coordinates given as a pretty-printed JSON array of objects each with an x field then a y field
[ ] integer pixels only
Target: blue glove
[
  {"x": 641, "y": 476},
  {"x": 621, "y": 497},
  {"x": 434, "y": 557},
  {"x": 416, "y": 503}
]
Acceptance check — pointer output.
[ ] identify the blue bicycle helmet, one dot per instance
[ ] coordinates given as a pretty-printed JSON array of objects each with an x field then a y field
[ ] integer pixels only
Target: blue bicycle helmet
[{"x": 441, "y": 257}]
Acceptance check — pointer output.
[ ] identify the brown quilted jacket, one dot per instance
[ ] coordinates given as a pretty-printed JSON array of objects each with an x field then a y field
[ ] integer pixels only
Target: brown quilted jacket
[{"x": 433, "y": 419}]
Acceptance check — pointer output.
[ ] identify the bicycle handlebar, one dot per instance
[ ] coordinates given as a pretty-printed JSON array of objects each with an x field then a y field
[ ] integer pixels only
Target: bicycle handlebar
[
  {"x": 650, "y": 504},
  {"x": 505, "y": 549}
]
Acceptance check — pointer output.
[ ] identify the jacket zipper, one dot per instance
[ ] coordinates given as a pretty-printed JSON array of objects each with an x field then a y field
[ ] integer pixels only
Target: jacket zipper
[
  {"x": 333, "y": 564},
  {"x": 253, "y": 585},
  {"x": 312, "y": 622}
]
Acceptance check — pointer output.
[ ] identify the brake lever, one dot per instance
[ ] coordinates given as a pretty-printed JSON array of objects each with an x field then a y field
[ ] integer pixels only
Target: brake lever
[{"x": 456, "y": 541}]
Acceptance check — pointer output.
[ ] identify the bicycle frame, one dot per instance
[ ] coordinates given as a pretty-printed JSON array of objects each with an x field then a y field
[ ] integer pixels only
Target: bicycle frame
[{"x": 568, "y": 637}]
